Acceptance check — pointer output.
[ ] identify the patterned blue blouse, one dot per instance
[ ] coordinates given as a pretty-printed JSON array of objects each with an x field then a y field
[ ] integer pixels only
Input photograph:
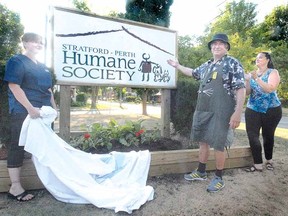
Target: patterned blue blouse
[
  {"x": 233, "y": 73},
  {"x": 259, "y": 100}
]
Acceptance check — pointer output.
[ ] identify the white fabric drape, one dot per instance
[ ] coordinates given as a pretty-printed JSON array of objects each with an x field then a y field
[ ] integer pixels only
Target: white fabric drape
[{"x": 115, "y": 181}]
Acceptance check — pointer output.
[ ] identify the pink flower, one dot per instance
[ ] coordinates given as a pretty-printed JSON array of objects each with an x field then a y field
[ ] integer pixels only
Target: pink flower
[{"x": 87, "y": 136}]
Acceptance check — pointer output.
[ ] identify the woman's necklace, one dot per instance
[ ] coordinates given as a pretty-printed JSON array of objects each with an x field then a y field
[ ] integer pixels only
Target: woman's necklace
[{"x": 261, "y": 72}]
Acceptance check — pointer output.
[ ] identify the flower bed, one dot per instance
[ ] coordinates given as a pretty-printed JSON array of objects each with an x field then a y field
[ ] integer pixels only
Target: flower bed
[
  {"x": 101, "y": 138},
  {"x": 168, "y": 156}
]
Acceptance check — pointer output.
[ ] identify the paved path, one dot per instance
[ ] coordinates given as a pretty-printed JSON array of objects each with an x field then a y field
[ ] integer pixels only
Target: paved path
[{"x": 81, "y": 118}]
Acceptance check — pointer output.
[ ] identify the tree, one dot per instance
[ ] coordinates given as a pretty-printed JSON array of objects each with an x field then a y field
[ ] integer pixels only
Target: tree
[
  {"x": 238, "y": 17},
  {"x": 10, "y": 32},
  {"x": 276, "y": 24},
  {"x": 274, "y": 28},
  {"x": 117, "y": 15},
  {"x": 192, "y": 51},
  {"x": 81, "y": 5},
  {"x": 274, "y": 33},
  {"x": 246, "y": 38},
  {"x": 280, "y": 59},
  {"x": 238, "y": 21},
  {"x": 244, "y": 50},
  {"x": 154, "y": 12}
]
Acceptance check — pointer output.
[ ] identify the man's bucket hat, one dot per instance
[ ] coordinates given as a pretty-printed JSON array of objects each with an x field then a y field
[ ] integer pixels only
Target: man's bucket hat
[{"x": 221, "y": 37}]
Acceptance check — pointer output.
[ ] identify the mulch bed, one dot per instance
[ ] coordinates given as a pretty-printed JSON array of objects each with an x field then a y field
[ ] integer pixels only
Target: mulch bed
[
  {"x": 3, "y": 153},
  {"x": 163, "y": 144}
]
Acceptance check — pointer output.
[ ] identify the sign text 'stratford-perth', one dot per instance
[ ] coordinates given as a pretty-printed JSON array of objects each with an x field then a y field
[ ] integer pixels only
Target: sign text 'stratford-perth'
[{"x": 92, "y": 50}]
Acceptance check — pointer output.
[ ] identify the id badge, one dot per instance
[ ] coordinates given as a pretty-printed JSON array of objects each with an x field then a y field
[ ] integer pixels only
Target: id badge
[{"x": 214, "y": 75}]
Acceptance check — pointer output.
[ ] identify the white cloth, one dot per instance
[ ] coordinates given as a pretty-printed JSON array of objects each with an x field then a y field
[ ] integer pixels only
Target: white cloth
[{"x": 115, "y": 181}]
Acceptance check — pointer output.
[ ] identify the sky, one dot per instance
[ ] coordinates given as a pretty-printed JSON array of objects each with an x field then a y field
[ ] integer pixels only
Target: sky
[{"x": 186, "y": 20}]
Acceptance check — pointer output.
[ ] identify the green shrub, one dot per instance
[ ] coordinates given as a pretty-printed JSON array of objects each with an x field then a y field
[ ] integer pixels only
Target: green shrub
[
  {"x": 4, "y": 115},
  {"x": 10, "y": 32},
  {"x": 77, "y": 104},
  {"x": 131, "y": 98},
  {"x": 284, "y": 103},
  {"x": 81, "y": 97},
  {"x": 183, "y": 104}
]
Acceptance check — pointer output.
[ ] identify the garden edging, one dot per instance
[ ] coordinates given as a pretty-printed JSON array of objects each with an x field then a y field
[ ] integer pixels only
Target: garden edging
[{"x": 162, "y": 162}]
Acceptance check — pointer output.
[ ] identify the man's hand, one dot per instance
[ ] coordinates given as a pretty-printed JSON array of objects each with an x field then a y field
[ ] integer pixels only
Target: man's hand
[
  {"x": 235, "y": 120},
  {"x": 173, "y": 63}
]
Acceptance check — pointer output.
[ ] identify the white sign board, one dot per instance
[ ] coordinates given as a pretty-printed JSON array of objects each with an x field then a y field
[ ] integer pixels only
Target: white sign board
[{"x": 94, "y": 50}]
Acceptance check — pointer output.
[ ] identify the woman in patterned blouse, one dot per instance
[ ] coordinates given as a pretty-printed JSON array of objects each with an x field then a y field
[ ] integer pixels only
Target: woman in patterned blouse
[{"x": 263, "y": 110}]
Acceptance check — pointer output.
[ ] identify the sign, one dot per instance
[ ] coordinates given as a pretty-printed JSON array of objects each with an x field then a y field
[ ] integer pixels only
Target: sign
[{"x": 97, "y": 50}]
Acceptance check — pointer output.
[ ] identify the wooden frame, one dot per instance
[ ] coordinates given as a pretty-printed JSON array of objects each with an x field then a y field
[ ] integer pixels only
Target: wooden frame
[
  {"x": 183, "y": 161},
  {"x": 162, "y": 162}
]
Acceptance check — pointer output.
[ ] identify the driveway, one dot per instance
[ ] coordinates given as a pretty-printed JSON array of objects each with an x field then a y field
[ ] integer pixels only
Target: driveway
[{"x": 80, "y": 117}]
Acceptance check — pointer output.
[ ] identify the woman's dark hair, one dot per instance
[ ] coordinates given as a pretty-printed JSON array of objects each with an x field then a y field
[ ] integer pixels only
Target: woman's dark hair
[
  {"x": 268, "y": 56},
  {"x": 31, "y": 37}
]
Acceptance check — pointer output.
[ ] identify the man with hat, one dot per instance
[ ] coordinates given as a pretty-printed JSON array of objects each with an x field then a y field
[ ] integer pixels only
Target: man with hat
[{"x": 221, "y": 97}]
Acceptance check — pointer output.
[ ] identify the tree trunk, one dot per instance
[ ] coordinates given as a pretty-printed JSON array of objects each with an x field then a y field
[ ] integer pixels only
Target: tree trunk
[
  {"x": 94, "y": 97},
  {"x": 144, "y": 102},
  {"x": 121, "y": 98}
]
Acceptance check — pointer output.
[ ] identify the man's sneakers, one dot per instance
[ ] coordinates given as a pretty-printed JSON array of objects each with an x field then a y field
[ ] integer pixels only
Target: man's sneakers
[
  {"x": 196, "y": 176},
  {"x": 216, "y": 184}
]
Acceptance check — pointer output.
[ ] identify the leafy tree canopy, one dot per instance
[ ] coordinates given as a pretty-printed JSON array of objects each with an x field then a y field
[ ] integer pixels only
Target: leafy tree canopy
[
  {"x": 154, "y": 12},
  {"x": 274, "y": 27},
  {"x": 81, "y": 5},
  {"x": 238, "y": 17},
  {"x": 10, "y": 32}
]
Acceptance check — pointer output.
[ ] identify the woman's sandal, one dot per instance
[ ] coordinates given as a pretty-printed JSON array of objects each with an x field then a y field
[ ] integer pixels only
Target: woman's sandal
[
  {"x": 20, "y": 197},
  {"x": 269, "y": 166},
  {"x": 253, "y": 169}
]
